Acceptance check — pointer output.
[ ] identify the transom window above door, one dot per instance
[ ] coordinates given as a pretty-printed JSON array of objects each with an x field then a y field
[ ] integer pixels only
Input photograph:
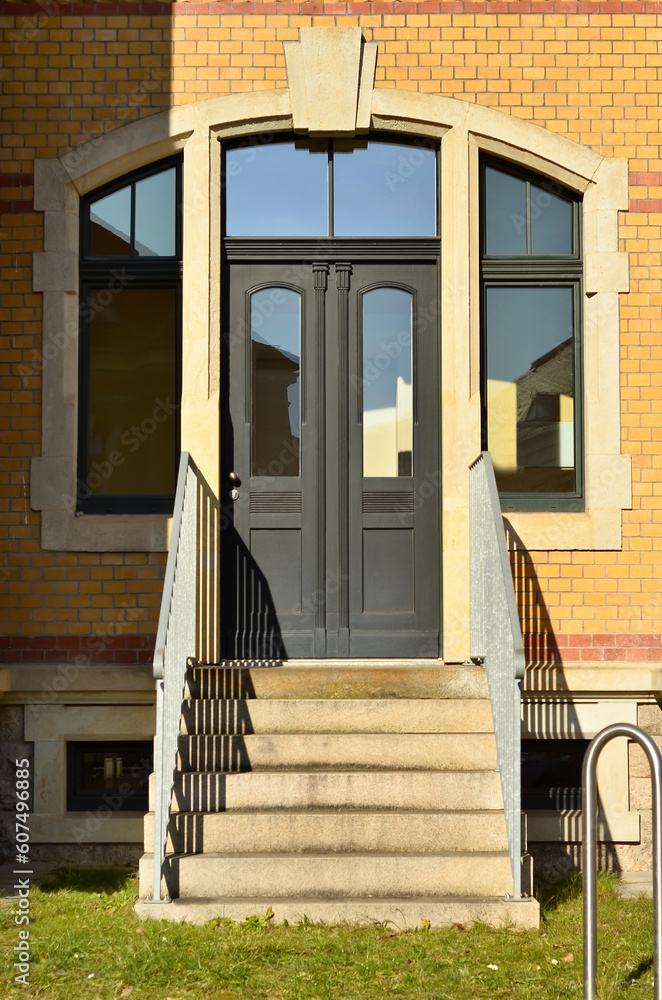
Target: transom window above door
[{"x": 338, "y": 187}]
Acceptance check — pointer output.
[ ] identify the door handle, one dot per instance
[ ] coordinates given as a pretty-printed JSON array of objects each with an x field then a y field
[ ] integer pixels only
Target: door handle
[{"x": 233, "y": 477}]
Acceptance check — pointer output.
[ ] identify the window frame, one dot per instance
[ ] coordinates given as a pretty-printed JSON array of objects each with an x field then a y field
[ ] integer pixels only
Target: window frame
[
  {"x": 409, "y": 141},
  {"x": 80, "y": 800},
  {"x": 142, "y": 273},
  {"x": 539, "y": 271}
]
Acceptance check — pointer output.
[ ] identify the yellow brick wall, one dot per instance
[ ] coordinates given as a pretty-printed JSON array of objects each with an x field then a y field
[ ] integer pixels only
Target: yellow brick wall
[{"x": 587, "y": 70}]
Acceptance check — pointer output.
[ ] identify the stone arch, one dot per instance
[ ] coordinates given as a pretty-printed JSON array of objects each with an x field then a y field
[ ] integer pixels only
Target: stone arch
[{"x": 349, "y": 107}]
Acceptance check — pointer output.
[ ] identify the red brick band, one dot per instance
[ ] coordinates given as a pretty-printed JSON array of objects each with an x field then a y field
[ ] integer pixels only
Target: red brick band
[
  {"x": 548, "y": 647},
  {"x": 568, "y": 647},
  {"x": 76, "y": 649},
  {"x": 56, "y": 8}
]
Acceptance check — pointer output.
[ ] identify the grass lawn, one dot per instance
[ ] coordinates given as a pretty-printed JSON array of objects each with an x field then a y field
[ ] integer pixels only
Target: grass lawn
[{"x": 86, "y": 942}]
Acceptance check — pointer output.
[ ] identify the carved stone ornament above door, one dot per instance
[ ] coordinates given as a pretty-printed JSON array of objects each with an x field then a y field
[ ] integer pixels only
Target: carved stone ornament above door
[{"x": 330, "y": 73}]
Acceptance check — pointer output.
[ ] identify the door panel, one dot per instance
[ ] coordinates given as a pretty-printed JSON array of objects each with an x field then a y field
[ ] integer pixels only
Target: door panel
[
  {"x": 331, "y": 440},
  {"x": 268, "y": 552},
  {"x": 383, "y": 589}
]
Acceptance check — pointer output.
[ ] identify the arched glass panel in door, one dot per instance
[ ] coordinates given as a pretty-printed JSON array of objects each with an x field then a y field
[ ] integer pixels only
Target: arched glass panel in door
[
  {"x": 388, "y": 394},
  {"x": 276, "y": 382}
]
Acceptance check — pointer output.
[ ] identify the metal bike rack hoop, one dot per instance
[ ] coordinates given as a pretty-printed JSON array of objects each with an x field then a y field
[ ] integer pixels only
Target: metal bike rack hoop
[{"x": 590, "y": 836}]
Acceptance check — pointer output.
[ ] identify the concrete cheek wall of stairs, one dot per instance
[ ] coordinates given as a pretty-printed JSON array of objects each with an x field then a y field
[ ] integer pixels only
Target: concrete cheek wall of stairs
[{"x": 343, "y": 792}]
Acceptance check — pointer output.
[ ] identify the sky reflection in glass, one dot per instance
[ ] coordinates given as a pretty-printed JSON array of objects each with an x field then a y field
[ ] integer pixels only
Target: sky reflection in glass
[
  {"x": 523, "y": 324},
  {"x": 279, "y": 189},
  {"x": 155, "y": 215},
  {"x": 551, "y": 223},
  {"x": 384, "y": 189},
  {"x": 505, "y": 213},
  {"x": 110, "y": 230},
  {"x": 380, "y": 189},
  {"x": 550, "y": 218},
  {"x": 387, "y": 382}
]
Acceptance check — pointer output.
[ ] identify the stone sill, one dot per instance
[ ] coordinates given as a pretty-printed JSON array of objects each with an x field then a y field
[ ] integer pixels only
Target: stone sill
[
  {"x": 63, "y": 683},
  {"x": 565, "y": 825},
  {"x": 596, "y": 678},
  {"x": 74, "y": 828}
]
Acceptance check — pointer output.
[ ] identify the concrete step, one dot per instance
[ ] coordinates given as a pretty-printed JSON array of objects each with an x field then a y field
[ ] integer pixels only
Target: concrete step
[
  {"x": 287, "y": 716},
  {"x": 313, "y": 752},
  {"x": 388, "y": 790},
  {"x": 400, "y": 913},
  {"x": 331, "y": 831},
  {"x": 425, "y": 679},
  {"x": 332, "y": 876}
]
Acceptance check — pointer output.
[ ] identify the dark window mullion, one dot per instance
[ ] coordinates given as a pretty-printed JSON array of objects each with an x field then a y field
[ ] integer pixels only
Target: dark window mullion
[
  {"x": 579, "y": 436},
  {"x": 133, "y": 220},
  {"x": 83, "y": 394},
  {"x": 331, "y": 209},
  {"x": 528, "y": 218}
]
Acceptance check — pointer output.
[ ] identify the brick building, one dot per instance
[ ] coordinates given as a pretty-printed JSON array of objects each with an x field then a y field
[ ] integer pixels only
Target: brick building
[{"x": 468, "y": 193}]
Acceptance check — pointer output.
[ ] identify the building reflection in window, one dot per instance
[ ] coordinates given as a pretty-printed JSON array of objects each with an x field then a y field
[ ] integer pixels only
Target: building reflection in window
[
  {"x": 276, "y": 381},
  {"x": 531, "y": 388}
]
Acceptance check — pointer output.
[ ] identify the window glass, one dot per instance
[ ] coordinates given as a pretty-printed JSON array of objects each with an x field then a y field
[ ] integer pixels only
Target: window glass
[
  {"x": 155, "y": 215},
  {"x": 280, "y": 189},
  {"x": 531, "y": 388},
  {"x": 551, "y": 223},
  {"x": 110, "y": 224},
  {"x": 97, "y": 771},
  {"x": 505, "y": 213},
  {"x": 552, "y": 773},
  {"x": 132, "y": 393},
  {"x": 276, "y": 381},
  {"x": 387, "y": 383},
  {"x": 384, "y": 189}
]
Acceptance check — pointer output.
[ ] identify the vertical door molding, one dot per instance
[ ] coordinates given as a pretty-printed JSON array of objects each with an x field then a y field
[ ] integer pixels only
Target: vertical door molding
[
  {"x": 343, "y": 272},
  {"x": 320, "y": 285}
]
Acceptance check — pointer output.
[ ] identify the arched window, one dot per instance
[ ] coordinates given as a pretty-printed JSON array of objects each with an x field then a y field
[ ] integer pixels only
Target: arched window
[
  {"x": 130, "y": 271},
  {"x": 531, "y": 271}
]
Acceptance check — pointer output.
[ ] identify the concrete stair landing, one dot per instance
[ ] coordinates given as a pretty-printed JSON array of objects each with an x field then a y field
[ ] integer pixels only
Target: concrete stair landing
[{"x": 357, "y": 791}]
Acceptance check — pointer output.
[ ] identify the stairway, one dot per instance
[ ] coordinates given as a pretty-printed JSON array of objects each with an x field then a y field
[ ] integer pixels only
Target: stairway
[{"x": 361, "y": 791}]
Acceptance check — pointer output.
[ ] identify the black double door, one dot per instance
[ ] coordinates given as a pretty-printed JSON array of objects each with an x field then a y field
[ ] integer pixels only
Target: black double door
[{"x": 330, "y": 477}]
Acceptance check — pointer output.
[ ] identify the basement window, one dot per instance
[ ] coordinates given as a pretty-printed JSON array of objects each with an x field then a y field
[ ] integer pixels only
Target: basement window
[
  {"x": 552, "y": 773},
  {"x": 112, "y": 775}
]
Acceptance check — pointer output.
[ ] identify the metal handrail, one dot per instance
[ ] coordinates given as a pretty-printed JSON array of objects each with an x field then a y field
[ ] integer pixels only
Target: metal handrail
[
  {"x": 496, "y": 638},
  {"x": 169, "y": 580},
  {"x": 590, "y": 836},
  {"x": 186, "y": 631}
]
